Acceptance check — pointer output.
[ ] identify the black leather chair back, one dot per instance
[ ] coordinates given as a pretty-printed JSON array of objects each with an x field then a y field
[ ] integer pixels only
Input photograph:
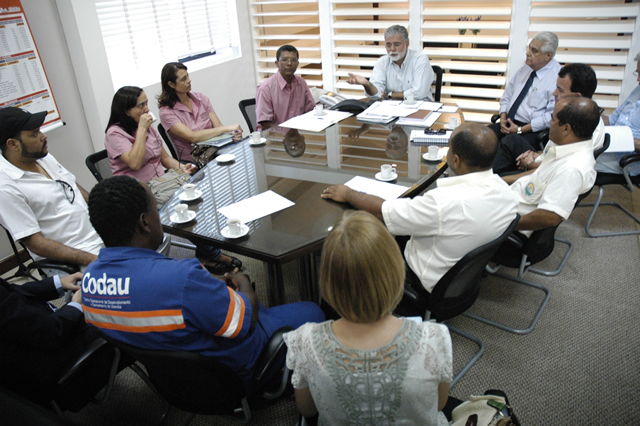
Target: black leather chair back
[
  {"x": 248, "y": 110},
  {"x": 438, "y": 82},
  {"x": 98, "y": 164}
]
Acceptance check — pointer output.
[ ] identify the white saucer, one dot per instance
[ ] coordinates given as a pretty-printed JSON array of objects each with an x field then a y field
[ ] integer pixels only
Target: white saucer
[
  {"x": 225, "y": 158},
  {"x": 262, "y": 140},
  {"x": 174, "y": 217},
  {"x": 410, "y": 103},
  {"x": 394, "y": 176},
  {"x": 244, "y": 230},
  {"x": 426, "y": 157},
  {"x": 183, "y": 196},
  {"x": 323, "y": 113}
]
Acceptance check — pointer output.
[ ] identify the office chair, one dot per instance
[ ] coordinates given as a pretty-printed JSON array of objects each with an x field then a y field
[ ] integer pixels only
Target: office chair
[
  {"x": 24, "y": 270},
  {"x": 627, "y": 181},
  {"x": 438, "y": 82},
  {"x": 248, "y": 110},
  {"x": 98, "y": 164},
  {"x": 455, "y": 292},
  {"x": 167, "y": 140},
  {"x": 203, "y": 385}
]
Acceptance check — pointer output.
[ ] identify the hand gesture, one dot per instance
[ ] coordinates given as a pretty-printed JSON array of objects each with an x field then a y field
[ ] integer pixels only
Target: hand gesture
[
  {"x": 69, "y": 282},
  {"x": 357, "y": 79},
  {"x": 188, "y": 168}
]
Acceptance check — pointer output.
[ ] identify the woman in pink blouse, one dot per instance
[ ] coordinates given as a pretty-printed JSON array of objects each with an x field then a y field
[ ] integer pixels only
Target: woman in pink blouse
[
  {"x": 135, "y": 149},
  {"x": 187, "y": 115}
]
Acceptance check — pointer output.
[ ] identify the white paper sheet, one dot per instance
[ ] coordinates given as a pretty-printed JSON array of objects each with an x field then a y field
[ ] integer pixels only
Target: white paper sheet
[
  {"x": 448, "y": 108},
  {"x": 384, "y": 190},
  {"x": 315, "y": 123},
  {"x": 256, "y": 207},
  {"x": 393, "y": 108},
  {"x": 431, "y": 106},
  {"x": 621, "y": 138}
]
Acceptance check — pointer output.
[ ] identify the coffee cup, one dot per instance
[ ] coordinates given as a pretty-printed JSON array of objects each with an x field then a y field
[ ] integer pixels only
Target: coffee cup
[
  {"x": 453, "y": 122},
  {"x": 433, "y": 152},
  {"x": 190, "y": 190},
  {"x": 409, "y": 98},
  {"x": 153, "y": 117},
  {"x": 256, "y": 137},
  {"x": 182, "y": 210},
  {"x": 319, "y": 109},
  {"x": 235, "y": 226},
  {"x": 387, "y": 171}
]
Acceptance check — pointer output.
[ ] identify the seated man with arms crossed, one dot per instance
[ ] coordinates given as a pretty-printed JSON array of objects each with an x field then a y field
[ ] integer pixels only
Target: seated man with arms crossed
[
  {"x": 516, "y": 153},
  {"x": 398, "y": 73},
  {"x": 283, "y": 95},
  {"x": 548, "y": 195},
  {"x": 42, "y": 206},
  {"x": 627, "y": 114},
  {"x": 464, "y": 212},
  {"x": 143, "y": 298},
  {"x": 527, "y": 102}
]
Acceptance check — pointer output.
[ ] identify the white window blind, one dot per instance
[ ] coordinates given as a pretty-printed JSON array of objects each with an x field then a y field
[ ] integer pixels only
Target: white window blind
[
  {"x": 294, "y": 22},
  {"x": 140, "y": 36},
  {"x": 595, "y": 33}
]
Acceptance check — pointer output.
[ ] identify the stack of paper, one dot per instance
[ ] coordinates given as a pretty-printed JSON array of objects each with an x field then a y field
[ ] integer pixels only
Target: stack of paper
[
  {"x": 420, "y": 122},
  {"x": 384, "y": 190},
  {"x": 420, "y": 138}
]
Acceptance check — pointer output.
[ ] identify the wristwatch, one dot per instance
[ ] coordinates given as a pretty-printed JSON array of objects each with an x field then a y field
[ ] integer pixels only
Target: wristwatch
[{"x": 519, "y": 130}]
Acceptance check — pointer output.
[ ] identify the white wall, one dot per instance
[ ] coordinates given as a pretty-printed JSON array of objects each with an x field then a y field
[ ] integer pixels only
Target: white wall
[{"x": 84, "y": 104}]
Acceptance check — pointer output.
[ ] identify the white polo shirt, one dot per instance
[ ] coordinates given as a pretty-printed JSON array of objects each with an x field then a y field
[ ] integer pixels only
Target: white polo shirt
[
  {"x": 446, "y": 223},
  {"x": 33, "y": 203},
  {"x": 556, "y": 184}
]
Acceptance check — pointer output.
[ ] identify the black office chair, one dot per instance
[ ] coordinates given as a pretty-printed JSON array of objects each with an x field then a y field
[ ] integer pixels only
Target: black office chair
[
  {"x": 627, "y": 181},
  {"x": 203, "y": 385},
  {"x": 248, "y": 110},
  {"x": 98, "y": 164},
  {"x": 455, "y": 292},
  {"x": 168, "y": 142},
  {"x": 24, "y": 270},
  {"x": 438, "y": 82}
]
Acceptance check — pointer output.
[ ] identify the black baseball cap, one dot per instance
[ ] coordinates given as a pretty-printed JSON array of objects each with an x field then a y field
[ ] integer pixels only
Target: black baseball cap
[{"x": 13, "y": 120}]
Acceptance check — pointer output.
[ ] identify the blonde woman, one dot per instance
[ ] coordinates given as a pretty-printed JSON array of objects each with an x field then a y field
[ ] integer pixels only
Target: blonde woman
[{"x": 368, "y": 367}]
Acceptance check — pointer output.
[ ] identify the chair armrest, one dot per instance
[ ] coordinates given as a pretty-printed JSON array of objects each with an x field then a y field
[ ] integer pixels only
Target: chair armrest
[
  {"x": 68, "y": 268},
  {"x": 543, "y": 138},
  {"x": 495, "y": 118},
  {"x": 629, "y": 159},
  {"x": 271, "y": 354},
  {"x": 517, "y": 239},
  {"x": 84, "y": 355}
]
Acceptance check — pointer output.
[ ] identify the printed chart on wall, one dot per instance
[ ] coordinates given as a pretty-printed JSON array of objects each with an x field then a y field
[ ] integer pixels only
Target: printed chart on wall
[{"x": 23, "y": 81}]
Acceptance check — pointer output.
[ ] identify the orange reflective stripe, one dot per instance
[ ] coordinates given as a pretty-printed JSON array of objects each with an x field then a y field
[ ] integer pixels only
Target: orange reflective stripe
[
  {"x": 235, "y": 316},
  {"x": 137, "y": 321}
]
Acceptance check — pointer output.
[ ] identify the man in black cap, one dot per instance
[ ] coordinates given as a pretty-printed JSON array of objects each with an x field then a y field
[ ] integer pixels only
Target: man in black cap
[{"x": 42, "y": 206}]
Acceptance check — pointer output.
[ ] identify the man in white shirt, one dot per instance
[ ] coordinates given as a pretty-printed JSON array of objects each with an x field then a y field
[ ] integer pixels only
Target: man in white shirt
[
  {"x": 548, "y": 195},
  {"x": 463, "y": 213},
  {"x": 527, "y": 102},
  {"x": 400, "y": 72},
  {"x": 42, "y": 206}
]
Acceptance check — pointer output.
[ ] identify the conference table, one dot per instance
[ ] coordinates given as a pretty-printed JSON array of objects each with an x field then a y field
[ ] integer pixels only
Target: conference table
[{"x": 298, "y": 165}]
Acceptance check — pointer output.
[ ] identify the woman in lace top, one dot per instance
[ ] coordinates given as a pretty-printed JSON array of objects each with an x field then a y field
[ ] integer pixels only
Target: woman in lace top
[{"x": 368, "y": 367}]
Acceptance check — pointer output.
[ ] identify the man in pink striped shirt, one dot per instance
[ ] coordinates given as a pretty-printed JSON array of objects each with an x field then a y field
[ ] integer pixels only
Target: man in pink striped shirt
[{"x": 283, "y": 95}]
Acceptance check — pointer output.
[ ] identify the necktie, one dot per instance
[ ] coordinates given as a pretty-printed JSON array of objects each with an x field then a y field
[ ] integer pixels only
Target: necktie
[{"x": 514, "y": 108}]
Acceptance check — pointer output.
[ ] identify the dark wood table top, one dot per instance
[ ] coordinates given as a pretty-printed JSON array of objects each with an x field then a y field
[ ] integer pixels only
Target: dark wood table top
[{"x": 297, "y": 165}]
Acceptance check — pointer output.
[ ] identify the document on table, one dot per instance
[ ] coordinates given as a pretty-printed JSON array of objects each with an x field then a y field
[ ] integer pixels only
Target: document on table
[
  {"x": 448, "y": 108},
  {"x": 621, "y": 138},
  {"x": 256, "y": 207},
  {"x": 315, "y": 123},
  {"x": 431, "y": 106},
  {"x": 384, "y": 190},
  {"x": 393, "y": 108}
]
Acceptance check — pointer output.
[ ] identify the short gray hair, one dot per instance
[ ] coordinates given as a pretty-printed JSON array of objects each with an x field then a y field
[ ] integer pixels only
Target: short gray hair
[
  {"x": 397, "y": 29},
  {"x": 549, "y": 41},
  {"x": 637, "y": 58}
]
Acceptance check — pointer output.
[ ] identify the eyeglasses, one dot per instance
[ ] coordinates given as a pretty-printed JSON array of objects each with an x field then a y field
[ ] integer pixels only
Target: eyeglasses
[
  {"x": 288, "y": 60},
  {"x": 68, "y": 191}
]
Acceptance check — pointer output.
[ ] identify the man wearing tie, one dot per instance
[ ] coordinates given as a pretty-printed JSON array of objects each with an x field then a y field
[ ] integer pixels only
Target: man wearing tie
[{"x": 527, "y": 102}]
